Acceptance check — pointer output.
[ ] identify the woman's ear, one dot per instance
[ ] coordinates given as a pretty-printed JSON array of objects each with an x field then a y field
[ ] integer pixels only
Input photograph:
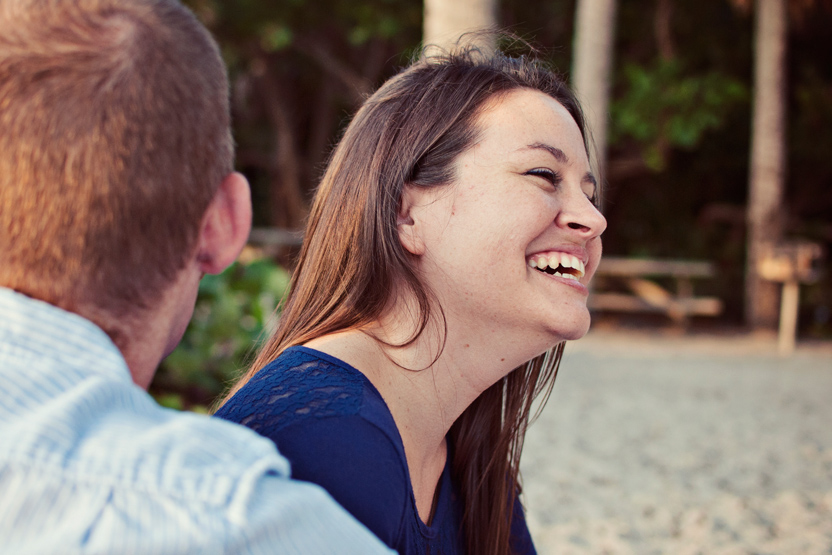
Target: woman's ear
[{"x": 409, "y": 228}]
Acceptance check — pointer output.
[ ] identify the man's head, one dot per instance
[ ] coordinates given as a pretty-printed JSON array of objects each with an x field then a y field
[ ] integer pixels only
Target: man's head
[{"x": 114, "y": 143}]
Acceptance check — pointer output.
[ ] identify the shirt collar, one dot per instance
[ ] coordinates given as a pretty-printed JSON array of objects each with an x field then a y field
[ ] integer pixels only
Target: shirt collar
[{"x": 49, "y": 331}]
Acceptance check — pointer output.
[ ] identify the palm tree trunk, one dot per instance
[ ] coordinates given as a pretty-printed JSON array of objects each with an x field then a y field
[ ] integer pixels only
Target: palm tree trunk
[
  {"x": 592, "y": 68},
  {"x": 446, "y": 20},
  {"x": 768, "y": 158}
]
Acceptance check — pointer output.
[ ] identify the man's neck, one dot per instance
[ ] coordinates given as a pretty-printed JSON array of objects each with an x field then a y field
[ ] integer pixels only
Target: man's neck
[{"x": 146, "y": 337}]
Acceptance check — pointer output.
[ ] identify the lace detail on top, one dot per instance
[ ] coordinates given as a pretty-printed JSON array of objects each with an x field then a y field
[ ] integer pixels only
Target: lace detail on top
[{"x": 296, "y": 386}]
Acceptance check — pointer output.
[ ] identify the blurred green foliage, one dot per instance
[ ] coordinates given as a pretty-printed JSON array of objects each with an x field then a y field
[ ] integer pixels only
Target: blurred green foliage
[
  {"x": 297, "y": 68},
  {"x": 662, "y": 106},
  {"x": 232, "y": 313}
]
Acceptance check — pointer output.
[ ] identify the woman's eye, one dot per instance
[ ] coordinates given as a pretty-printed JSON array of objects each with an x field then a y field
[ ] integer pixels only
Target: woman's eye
[
  {"x": 593, "y": 198},
  {"x": 552, "y": 177}
]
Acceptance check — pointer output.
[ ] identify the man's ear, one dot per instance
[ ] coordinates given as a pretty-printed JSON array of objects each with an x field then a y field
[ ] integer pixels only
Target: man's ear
[
  {"x": 408, "y": 226},
  {"x": 225, "y": 226}
]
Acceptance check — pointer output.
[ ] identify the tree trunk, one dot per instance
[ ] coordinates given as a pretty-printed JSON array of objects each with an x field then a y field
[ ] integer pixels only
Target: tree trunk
[
  {"x": 662, "y": 26},
  {"x": 446, "y": 20},
  {"x": 286, "y": 198},
  {"x": 768, "y": 158},
  {"x": 591, "y": 70}
]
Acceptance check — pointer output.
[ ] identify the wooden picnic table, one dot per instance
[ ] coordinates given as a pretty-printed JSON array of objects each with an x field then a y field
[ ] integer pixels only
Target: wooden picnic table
[{"x": 642, "y": 293}]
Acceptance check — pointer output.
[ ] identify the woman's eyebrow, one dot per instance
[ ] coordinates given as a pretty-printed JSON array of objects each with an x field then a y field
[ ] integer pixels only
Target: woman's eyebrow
[{"x": 558, "y": 154}]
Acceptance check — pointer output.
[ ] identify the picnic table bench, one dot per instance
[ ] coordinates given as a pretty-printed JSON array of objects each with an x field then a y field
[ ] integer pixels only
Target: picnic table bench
[{"x": 638, "y": 291}]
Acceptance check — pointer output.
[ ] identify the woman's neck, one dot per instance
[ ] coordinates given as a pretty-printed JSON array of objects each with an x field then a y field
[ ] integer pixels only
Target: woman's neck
[
  {"x": 424, "y": 399},
  {"x": 427, "y": 383}
]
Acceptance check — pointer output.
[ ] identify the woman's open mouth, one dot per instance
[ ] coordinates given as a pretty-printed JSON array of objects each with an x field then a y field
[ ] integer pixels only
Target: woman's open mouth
[{"x": 559, "y": 264}]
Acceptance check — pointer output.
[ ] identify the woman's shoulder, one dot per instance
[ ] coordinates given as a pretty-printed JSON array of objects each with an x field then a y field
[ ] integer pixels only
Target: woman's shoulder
[
  {"x": 301, "y": 384},
  {"x": 332, "y": 425}
]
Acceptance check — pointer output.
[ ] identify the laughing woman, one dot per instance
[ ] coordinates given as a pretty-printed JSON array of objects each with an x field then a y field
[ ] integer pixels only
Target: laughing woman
[{"x": 446, "y": 261}]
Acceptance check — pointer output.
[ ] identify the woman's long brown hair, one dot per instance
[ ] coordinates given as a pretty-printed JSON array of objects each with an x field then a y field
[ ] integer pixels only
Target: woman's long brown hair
[{"x": 409, "y": 133}]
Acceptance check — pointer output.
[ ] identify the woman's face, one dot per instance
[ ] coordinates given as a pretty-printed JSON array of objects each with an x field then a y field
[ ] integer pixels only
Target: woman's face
[{"x": 511, "y": 245}]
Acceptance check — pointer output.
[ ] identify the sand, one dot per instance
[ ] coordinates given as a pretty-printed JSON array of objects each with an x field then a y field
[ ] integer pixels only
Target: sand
[{"x": 655, "y": 443}]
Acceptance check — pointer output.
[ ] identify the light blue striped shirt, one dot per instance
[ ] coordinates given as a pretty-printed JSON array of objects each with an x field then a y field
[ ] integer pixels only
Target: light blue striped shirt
[{"x": 89, "y": 463}]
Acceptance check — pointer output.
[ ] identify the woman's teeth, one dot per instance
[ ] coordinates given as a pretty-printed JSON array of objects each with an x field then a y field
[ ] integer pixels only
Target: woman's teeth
[{"x": 559, "y": 264}]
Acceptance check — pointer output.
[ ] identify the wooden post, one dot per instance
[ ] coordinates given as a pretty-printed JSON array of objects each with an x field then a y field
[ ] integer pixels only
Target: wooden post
[
  {"x": 790, "y": 264},
  {"x": 788, "y": 318}
]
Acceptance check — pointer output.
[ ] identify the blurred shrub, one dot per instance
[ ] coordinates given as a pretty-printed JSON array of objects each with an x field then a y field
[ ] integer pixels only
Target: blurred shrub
[
  {"x": 663, "y": 106},
  {"x": 231, "y": 317}
]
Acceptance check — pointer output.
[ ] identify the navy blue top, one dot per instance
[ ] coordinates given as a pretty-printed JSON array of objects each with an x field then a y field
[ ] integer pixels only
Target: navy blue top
[{"x": 336, "y": 430}]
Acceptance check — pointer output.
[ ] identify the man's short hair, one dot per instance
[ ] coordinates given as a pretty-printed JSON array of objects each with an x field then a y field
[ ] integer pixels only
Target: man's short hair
[{"x": 114, "y": 137}]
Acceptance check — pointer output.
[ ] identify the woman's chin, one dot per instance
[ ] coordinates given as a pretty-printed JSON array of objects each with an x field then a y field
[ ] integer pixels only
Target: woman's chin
[{"x": 575, "y": 331}]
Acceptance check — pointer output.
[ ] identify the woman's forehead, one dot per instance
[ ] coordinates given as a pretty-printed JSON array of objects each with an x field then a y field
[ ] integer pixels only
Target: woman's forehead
[{"x": 524, "y": 118}]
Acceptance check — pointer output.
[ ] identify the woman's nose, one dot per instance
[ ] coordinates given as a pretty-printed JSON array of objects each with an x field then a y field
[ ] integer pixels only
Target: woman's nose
[{"x": 580, "y": 214}]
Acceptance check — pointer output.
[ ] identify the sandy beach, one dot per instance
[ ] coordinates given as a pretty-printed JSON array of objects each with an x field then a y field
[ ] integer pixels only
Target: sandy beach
[{"x": 660, "y": 443}]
